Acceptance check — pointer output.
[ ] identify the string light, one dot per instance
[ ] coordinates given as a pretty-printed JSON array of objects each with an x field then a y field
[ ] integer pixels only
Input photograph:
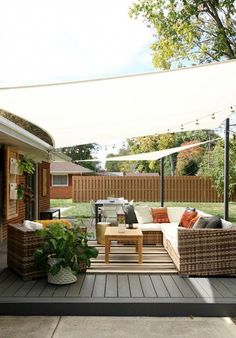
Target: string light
[
  {"x": 197, "y": 123},
  {"x": 213, "y": 116},
  {"x": 182, "y": 127}
]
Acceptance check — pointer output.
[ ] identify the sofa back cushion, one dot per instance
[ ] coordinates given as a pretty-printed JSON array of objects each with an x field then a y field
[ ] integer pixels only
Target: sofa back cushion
[
  {"x": 175, "y": 213},
  {"x": 160, "y": 215},
  {"x": 143, "y": 214}
]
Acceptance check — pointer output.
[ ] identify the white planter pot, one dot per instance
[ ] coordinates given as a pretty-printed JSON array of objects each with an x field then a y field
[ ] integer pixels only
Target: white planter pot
[{"x": 64, "y": 276}]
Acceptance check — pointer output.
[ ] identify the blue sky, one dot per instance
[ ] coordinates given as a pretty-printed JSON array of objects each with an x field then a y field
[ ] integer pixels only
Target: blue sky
[{"x": 62, "y": 40}]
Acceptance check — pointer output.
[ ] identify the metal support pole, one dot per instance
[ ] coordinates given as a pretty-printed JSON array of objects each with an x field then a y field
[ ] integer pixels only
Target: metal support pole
[
  {"x": 226, "y": 171},
  {"x": 162, "y": 162}
]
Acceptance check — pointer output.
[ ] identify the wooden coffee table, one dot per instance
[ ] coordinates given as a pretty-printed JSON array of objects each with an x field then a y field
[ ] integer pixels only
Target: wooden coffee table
[{"x": 112, "y": 234}]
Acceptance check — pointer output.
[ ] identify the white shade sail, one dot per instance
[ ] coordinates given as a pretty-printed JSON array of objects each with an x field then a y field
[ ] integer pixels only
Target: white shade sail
[
  {"x": 112, "y": 109},
  {"x": 152, "y": 155}
]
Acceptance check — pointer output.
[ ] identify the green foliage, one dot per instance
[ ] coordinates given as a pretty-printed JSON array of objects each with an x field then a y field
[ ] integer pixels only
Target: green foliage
[
  {"x": 118, "y": 166},
  {"x": 85, "y": 252},
  {"x": 196, "y": 30},
  {"x": 165, "y": 141},
  {"x": 26, "y": 166},
  {"x": 64, "y": 244},
  {"x": 81, "y": 152},
  {"x": 188, "y": 161},
  {"x": 213, "y": 166},
  {"x": 20, "y": 191}
]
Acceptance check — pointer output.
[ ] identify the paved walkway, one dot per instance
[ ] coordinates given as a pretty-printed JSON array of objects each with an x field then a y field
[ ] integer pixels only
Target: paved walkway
[{"x": 102, "y": 327}]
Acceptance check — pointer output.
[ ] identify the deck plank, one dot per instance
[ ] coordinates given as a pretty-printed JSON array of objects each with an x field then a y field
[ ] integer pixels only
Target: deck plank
[
  {"x": 9, "y": 292},
  {"x": 159, "y": 286},
  {"x": 111, "y": 286},
  {"x": 87, "y": 286},
  {"x": 22, "y": 292},
  {"x": 48, "y": 291},
  {"x": 61, "y": 291},
  {"x": 222, "y": 289},
  {"x": 135, "y": 286},
  {"x": 208, "y": 287},
  {"x": 7, "y": 282},
  {"x": 123, "y": 286},
  {"x": 171, "y": 286},
  {"x": 183, "y": 287},
  {"x": 99, "y": 286},
  {"x": 229, "y": 284},
  {"x": 37, "y": 288},
  {"x": 147, "y": 286},
  {"x": 74, "y": 289}
]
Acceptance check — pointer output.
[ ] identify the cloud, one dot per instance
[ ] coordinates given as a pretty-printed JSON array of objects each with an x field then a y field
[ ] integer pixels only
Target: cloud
[{"x": 58, "y": 40}]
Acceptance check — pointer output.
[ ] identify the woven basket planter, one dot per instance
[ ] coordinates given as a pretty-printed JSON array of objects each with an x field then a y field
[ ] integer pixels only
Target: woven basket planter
[{"x": 64, "y": 276}]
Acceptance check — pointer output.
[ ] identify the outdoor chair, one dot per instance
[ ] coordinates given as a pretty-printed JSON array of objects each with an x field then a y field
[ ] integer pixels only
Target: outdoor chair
[
  {"x": 109, "y": 213},
  {"x": 92, "y": 219}
]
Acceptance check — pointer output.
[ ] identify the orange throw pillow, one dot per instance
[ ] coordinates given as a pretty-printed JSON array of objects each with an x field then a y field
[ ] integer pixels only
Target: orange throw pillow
[
  {"x": 160, "y": 215},
  {"x": 188, "y": 218}
]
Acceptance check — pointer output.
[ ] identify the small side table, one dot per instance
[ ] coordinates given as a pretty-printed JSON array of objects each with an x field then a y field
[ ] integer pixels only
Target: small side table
[
  {"x": 48, "y": 213},
  {"x": 112, "y": 234}
]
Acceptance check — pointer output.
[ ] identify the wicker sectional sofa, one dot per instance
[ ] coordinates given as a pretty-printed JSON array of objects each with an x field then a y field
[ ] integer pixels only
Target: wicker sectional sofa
[{"x": 199, "y": 252}]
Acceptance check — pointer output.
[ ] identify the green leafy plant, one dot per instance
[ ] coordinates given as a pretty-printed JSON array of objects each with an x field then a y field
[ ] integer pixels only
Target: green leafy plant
[
  {"x": 26, "y": 166},
  {"x": 66, "y": 245},
  {"x": 60, "y": 243},
  {"x": 20, "y": 191},
  {"x": 85, "y": 252}
]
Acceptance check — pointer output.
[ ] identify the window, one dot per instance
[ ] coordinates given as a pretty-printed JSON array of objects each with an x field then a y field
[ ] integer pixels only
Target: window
[{"x": 60, "y": 180}]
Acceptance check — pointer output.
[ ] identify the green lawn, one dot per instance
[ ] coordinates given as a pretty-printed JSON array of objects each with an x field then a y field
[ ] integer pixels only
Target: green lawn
[{"x": 83, "y": 209}]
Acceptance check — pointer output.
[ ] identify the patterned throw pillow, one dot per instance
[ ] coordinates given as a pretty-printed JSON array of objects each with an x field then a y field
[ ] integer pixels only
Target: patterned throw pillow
[
  {"x": 160, "y": 215},
  {"x": 187, "y": 219},
  {"x": 47, "y": 222}
]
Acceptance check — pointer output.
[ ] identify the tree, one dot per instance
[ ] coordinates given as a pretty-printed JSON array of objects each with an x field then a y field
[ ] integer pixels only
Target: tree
[
  {"x": 214, "y": 166},
  {"x": 164, "y": 141},
  {"x": 196, "y": 31},
  {"x": 188, "y": 160},
  {"x": 81, "y": 152},
  {"x": 119, "y": 166}
]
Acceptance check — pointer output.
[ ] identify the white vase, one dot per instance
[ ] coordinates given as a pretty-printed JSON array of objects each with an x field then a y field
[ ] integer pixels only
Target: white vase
[{"x": 64, "y": 275}]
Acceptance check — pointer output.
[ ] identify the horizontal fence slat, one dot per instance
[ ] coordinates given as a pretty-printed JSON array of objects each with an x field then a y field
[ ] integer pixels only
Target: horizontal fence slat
[{"x": 145, "y": 188}]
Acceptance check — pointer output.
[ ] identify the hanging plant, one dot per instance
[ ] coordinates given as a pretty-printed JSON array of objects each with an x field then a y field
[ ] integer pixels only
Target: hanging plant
[
  {"x": 20, "y": 191},
  {"x": 26, "y": 166}
]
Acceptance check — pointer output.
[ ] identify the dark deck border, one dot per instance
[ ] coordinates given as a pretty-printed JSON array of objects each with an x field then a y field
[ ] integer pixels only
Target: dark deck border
[{"x": 114, "y": 307}]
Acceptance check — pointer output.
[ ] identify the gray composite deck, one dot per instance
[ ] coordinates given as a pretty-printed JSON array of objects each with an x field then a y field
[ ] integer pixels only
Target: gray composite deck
[{"x": 118, "y": 294}]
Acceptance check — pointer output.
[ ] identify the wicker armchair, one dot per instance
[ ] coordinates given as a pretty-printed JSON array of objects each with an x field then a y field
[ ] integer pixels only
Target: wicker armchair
[
  {"x": 206, "y": 251},
  {"x": 21, "y": 245}
]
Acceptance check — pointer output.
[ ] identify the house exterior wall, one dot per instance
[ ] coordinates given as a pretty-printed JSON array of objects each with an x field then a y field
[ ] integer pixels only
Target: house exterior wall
[
  {"x": 62, "y": 192},
  {"x": 43, "y": 201}
]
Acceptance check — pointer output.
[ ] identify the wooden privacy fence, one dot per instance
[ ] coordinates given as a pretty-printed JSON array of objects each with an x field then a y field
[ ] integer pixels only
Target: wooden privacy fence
[{"x": 145, "y": 188}]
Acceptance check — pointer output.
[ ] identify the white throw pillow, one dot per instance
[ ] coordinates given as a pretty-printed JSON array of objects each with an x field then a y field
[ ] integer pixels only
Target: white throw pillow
[
  {"x": 175, "y": 213},
  {"x": 143, "y": 214},
  {"x": 33, "y": 225},
  {"x": 226, "y": 224}
]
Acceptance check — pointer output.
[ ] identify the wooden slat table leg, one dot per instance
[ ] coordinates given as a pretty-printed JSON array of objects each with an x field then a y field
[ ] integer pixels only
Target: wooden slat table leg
[
  {"x": 107, "y": 249},
  {"x": 140, "y": 249}
]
